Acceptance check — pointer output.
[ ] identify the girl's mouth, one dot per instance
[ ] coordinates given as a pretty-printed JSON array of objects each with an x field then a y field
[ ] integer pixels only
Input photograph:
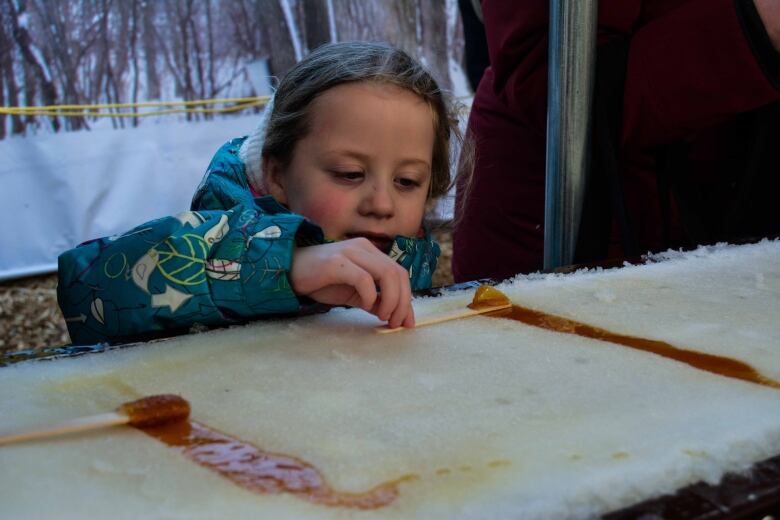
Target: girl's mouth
[{"x": 381, "y": 241}]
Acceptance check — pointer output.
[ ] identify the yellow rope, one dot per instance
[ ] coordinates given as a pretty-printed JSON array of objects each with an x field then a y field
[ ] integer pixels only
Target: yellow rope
[{"x": 91, "y": 110}]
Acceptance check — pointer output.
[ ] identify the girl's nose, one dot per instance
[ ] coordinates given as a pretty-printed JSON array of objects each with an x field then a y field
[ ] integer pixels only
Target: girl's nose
[{"x": 377, "y": 201}]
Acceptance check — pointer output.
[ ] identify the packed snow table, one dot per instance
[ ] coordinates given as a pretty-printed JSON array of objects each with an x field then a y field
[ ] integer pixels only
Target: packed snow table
[{"x": 520, "y": 415}]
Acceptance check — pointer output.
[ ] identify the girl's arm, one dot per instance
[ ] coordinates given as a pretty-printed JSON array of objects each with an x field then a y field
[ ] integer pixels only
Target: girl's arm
[
  {"x": 208, "y": 267},
  {"x": 218, "y": 267}
]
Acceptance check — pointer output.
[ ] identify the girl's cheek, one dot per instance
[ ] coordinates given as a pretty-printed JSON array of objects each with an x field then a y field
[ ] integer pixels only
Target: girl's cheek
[{"x": 325, "y": 210}]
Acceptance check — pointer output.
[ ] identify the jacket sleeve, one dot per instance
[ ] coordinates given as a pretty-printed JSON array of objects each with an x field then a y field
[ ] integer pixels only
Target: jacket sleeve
[{"x": 207, "y": 267}]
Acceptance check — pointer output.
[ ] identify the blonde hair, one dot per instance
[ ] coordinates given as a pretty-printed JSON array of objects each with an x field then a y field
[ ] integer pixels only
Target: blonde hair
[{"x": 287, "y": 119}]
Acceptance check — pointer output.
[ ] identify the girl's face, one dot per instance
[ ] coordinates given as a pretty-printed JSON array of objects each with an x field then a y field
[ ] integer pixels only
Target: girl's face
[{"x": 364, "y": 168}]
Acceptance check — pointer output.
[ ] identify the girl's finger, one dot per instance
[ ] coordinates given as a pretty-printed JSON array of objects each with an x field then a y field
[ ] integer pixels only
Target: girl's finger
[
  {"x": 391, "y": 293},
  {"x": 404, "y": 305},
  {"x": 406, "y": 318},
  {"x": 409, "y": 320},
  {"x": 353, "y": 275},
  {"x": 385, "y": 271}
]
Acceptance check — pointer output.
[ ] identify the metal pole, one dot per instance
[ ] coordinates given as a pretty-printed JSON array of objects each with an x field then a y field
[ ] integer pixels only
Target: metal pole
[{"x": 569, "y": 99}]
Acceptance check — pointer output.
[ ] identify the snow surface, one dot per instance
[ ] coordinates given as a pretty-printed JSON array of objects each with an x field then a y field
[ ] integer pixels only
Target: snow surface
[{"x": 495, "y": 418}]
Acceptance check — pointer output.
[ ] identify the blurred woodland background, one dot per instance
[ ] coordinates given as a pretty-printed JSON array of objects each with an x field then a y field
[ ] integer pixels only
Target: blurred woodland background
[
  {"x": 76, "y": 52},
  {"x": 109, "y": 52}
]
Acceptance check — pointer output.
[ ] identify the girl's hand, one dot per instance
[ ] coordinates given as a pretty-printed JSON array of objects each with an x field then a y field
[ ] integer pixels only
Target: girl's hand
[{"x": 348, "y": 272}]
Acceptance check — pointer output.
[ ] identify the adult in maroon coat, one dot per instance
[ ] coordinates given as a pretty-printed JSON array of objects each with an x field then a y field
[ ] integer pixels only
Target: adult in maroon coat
[{"x": 694, "y": 77}]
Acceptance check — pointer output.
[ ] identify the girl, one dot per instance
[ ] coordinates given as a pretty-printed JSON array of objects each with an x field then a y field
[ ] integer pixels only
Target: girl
[{"x": 323, "y": 202}]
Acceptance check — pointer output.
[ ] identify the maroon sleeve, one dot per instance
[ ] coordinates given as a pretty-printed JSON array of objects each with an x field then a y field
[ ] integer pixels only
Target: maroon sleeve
[
  {"x": 499, "y": 230},
  {"x": 517, "y": 43},
  {"x": 692, "y": 64},
  {"x": 517, "y": 34}
]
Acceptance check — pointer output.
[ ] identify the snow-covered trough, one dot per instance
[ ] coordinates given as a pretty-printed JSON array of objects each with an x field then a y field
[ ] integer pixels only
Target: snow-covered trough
[{"x": 480, "y": 418}]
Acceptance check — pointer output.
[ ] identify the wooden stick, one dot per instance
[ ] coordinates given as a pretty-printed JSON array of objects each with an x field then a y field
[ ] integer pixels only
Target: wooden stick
[
  {"x": 149, "y": 411},
  {"x": 81, "y": 424},
  {"x": 467, "y": 313}
]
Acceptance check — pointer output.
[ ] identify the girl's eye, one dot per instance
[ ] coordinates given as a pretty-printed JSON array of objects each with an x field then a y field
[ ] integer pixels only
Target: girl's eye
[
  {"x": 407, "y": 183},
  {"x": 348, "y": 176}
]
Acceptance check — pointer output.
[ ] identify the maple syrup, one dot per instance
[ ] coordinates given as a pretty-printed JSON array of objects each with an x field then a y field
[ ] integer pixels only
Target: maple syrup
[
  {"x": 487, "y": 296},
  {"x": 156, "y": 409},
  {"x": 264, "y": 472},
  {"x": 721, "y": 365}
]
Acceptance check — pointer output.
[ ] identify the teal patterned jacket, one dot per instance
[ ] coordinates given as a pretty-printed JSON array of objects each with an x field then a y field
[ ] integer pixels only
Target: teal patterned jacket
[{"x": 225, "y": 261}]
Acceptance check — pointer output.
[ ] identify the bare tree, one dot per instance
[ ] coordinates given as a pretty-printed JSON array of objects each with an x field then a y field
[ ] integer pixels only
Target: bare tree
[
  {"x": 433, "y": 40},
  {"x": 30, "y": 90},
  {"x": 134, "y": 22},
  {"x": 177, "y": 55},
  {"x": 64, "y": 53},
  {"x": 244, "y": 15},
  {"x": 12, "y": 89},
  {"x": 24, "y": 44},
  {"x": 360, "y": 20},
  {"x": 105, "y": 75},
  {"x": 6, "y": 50},
  {"x": 278, "y": 44},
  {"x": 183, "y": 13},
  {"x": 21, "y": 36},
  {"x": 150, "y": 50},
  {"x": 82, "y": 51},
  {"x": 316, "y": 23},
  {"x": 404, "y": 30},
  {"x": 200, "y": 84},
  {"x": 417, "y": 26},
  {"x": 212, "y": 91},
  {"x": 119, "y": 37},
  {"x": 2, "y": 101}
]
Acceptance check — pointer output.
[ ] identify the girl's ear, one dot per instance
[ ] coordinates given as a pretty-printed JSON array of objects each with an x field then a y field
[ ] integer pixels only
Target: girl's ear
[{"x": 273, "y": 177}]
